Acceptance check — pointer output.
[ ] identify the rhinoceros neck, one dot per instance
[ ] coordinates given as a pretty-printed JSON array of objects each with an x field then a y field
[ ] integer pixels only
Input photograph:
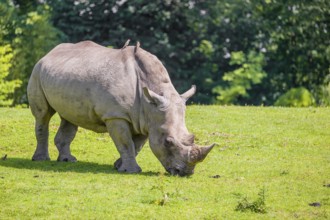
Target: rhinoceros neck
[{"x": 152, "y": 72}]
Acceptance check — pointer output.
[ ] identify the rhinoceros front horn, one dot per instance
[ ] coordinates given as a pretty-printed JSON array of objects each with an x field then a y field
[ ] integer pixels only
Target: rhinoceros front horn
[{"x": 198, "y": 154}]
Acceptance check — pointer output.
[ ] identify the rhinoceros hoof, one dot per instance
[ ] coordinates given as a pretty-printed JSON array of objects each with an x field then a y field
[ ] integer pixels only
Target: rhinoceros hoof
[
  {"x": 118, "y": 163},
  {"x": 130, "y": 169},
  {"x": 40, "y": 157},
  {"x": 66, "y": 158}
]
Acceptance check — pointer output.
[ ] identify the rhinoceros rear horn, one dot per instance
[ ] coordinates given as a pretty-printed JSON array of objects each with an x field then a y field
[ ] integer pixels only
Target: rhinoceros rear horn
[
  {"x": 185, "y": 96},
  {"x": 198, "y": 154}
]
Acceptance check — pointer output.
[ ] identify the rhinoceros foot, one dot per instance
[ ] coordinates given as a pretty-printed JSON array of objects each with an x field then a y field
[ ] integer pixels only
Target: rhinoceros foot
[
  {"x": 130, "y": 169},
  {"x": 40, "y": 157},
  {"x": 128, "y": 166},
  {"x": 118, "y": 163},
  {"x": 66, "y": 158}
]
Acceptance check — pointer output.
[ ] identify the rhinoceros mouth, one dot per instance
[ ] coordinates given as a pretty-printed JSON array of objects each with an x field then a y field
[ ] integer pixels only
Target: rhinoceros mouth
[{"x": 179, "y": 172}]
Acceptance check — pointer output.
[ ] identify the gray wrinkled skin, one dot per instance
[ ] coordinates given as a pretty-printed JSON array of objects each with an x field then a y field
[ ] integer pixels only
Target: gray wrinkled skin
[{"x": 126, "y": 92}]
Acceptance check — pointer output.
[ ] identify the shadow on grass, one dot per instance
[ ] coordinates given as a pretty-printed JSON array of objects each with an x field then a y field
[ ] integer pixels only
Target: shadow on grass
[{"x": 54, "y": 166}]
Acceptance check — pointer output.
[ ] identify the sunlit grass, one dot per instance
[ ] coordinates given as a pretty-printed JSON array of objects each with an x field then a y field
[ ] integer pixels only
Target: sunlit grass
[{"x": 283, "y": 151}]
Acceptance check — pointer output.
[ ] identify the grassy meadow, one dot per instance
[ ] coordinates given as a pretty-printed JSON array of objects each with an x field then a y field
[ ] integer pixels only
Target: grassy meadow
[{"x": 270, "y": 163}]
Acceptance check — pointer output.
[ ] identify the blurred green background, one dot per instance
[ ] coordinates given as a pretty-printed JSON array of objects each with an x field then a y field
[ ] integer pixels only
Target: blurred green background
[{"x": 240, "y": 52}]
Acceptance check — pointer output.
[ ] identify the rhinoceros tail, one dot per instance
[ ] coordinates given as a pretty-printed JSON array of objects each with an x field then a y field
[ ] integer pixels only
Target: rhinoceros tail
[{"x": 137, "y": 46}]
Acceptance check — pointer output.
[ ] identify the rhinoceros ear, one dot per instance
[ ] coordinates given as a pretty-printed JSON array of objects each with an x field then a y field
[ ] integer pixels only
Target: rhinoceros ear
[
  {"x": 185, "y": 96},
  {"x": 155, "y": 99}
]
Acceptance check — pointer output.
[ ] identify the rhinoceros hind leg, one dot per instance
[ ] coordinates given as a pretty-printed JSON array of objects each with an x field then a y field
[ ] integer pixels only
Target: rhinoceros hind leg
[
  {"x": 121, "y": 135},
  {"x": 42, "y": 113},
  {"x": 64, "y": 136},
  {"x": 41, "y": 131}
]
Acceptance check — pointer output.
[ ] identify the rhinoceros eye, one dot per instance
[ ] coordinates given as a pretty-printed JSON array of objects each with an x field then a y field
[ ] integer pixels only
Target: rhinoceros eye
[{"x": 169, "y": 141}]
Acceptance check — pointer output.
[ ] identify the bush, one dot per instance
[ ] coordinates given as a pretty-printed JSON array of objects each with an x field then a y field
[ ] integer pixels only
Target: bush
[
  {"x": 7, "y": 87},
  {"x": 257, "y": 206},
  {"x": 248, "y": 72},
  {"x": 325, "y": 95},
  {"x": 296, "y": 97},
  {"x": 26, "y": 35}
]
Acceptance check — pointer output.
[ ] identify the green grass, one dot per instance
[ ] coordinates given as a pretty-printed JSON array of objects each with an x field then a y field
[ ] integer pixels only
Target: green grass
[{"x": 271, "y": 159}]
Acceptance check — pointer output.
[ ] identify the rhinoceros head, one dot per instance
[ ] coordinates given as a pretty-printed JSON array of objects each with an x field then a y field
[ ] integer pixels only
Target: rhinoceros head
[{"x": 169, "y": 138}]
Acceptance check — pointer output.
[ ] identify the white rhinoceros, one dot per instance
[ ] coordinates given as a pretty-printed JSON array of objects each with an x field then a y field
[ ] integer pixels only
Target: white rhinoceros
[{"x": 126, "y": 92}]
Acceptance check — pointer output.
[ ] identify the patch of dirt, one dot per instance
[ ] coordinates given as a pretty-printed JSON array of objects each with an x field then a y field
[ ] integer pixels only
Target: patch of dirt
[
  {"x": 216, "y": 176},
  {"x": 220, "y": 134},
  {"x": 315, "y": 204}
]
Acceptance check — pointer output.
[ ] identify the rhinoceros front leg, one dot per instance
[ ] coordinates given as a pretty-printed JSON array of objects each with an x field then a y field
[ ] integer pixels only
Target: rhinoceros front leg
[
  {"x": 63, "y": 139},
  {"x": 139, "y": 141},
  {"x": 121, "y": 135}
]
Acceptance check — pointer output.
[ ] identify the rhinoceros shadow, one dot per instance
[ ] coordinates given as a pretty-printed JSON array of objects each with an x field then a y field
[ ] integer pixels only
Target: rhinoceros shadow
[{"x": 54, "y": 166}]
